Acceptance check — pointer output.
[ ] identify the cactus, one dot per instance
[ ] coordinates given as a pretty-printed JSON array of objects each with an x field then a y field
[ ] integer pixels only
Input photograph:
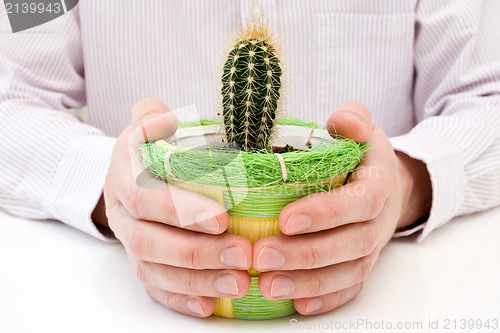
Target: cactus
[{"x": 251, "y": 83}]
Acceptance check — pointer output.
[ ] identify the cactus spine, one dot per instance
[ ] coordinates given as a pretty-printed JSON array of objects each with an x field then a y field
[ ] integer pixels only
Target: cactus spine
[{"x": 251, "y": 83}]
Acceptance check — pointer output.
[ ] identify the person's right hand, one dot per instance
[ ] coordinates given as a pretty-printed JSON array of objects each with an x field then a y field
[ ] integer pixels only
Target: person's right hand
[{"x": 182, "y": 267}]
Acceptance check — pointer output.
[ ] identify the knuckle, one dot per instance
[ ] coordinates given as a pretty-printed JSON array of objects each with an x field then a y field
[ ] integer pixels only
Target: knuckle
[
  {"x": 169, "y": 300},
  {"x": 137, "y": 244},
  {"x": 364, "y": 268},
  {"x": 367, "y": 240},
  {"x": 164, "y": 297},
  {"x": 170, "y": 212},
  {"x": 149, "y": 291},
  {"x": 334, "y": 213},
  {"x": 132, "y": 199},
  {"x": 193, "y": 258},
  {"x": 309, "y": 257},
  {"x": 111, "y": 211},
  {"x": 376, "y": 203},
  {"x": 192, "y": 288},
  {"x": 335, "y": 210},
  {"x": 141, "y": 272},
  {"x": 316, "y": 286},
  {"x": 341, "y": 297}
]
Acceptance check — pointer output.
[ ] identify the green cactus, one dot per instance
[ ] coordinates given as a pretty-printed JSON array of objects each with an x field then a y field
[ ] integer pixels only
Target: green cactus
[{"x": 251, "y": 83}]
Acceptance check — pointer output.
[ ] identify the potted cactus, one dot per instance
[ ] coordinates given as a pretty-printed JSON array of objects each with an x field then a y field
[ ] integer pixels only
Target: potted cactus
[{"x": 244, "y": 164}]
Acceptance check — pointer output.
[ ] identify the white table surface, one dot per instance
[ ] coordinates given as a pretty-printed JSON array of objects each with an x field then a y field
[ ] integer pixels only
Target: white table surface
[{"x": 56, "y": 279}]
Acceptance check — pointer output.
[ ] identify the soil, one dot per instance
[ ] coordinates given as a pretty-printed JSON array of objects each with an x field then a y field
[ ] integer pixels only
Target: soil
[
  {"x": 276, "y": 149},
  {"x": 286, "y": 149},
  {"x": 281, "y": 150}
]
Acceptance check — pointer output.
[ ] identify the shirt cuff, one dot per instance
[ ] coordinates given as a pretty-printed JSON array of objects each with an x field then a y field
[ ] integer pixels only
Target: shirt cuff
[
  {"x": 78, "y": 182},
  {"x": 446, "y": 170}
]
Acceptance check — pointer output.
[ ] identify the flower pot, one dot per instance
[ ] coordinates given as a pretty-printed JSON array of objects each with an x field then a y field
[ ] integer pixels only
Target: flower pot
[{"x": 253, "y": 210}]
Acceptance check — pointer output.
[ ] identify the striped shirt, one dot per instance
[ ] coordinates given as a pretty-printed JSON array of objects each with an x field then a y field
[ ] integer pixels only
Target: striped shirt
[{"x": 429, "y": 71}]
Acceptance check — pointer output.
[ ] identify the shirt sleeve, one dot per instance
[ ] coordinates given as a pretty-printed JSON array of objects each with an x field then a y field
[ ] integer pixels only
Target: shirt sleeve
[
  {"x": 53, "y": 166},
  {"x": 457, "y": 107}
]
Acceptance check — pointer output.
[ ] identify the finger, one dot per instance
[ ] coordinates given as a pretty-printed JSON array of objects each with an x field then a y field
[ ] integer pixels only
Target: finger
[
  {"x": 210, "y": 283},
  {"x": 153, "y": 119},
  {"x": 322, "y": 304},
  {"x": 158, "y": 243},
  {"x": 193, "y": 306},
  {"x": 154, "y": 127},
  {"x": 171, "y": 205},
  {"x": 351, "y": 120},
  {"x": 310, "y": 251},
  {"x": 311, "y": 283},
  {"x": 362, "y": 199}
]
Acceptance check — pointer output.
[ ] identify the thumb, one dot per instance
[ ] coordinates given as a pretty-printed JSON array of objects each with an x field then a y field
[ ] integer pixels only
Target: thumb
[
  {"x": 351, "y": 120},
  {"x": 151, "y": 120}
]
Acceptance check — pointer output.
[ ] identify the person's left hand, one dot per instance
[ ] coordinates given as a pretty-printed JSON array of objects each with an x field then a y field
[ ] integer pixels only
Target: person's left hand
[{"x": 332, "y": 239}]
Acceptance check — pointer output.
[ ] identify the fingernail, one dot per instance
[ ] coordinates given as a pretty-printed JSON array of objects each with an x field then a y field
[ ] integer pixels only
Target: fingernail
[
  {"x": 226, "y": 284},
  {"x": 297, "y": 223},
  {"x": 157, "y": 116},
  {"x": 356, "y": 117},
  {"x": 194, "y": 306},
  {"x": 270, "y": 258},
  {"x": 207, "y": 221},
  {"x": 234, "y": 257},
  {"x": 282, "y": 286},
  {"x": 314, "y": 304},
  {"x": 149, "y": 116}
]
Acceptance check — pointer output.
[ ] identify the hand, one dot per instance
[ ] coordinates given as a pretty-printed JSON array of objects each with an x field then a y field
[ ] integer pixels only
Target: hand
[
  {"x": 333, "y": 239},
  {"x": 182, "y": 265}
]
